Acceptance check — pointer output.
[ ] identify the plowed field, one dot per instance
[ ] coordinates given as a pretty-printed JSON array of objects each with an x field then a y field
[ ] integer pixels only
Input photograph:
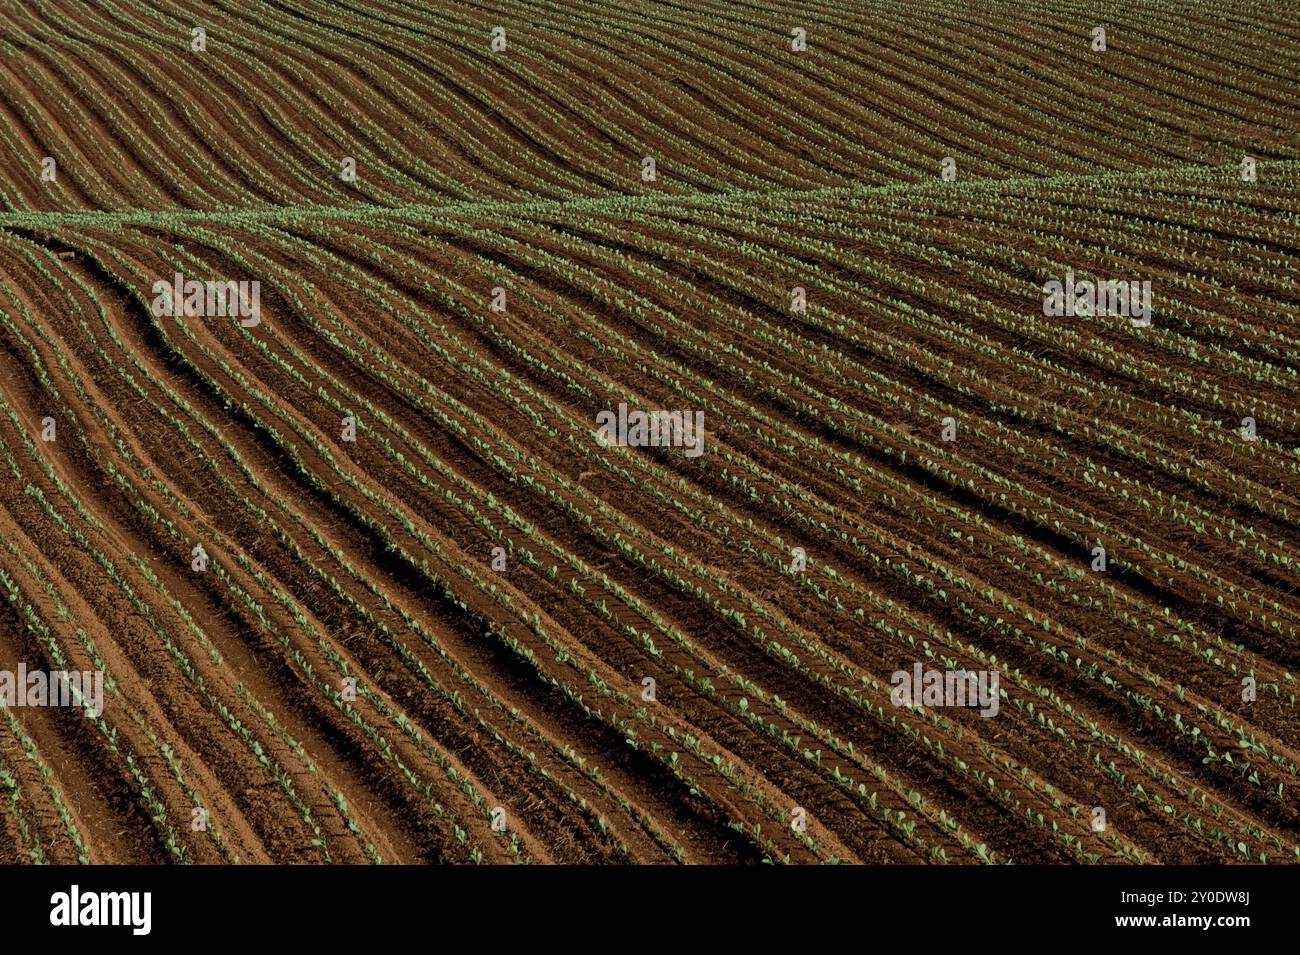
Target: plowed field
[{"x": 363, "y": 580}]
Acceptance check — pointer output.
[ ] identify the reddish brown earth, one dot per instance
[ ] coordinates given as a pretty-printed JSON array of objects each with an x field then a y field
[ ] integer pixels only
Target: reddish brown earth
[{"x": 350, "y": 679}]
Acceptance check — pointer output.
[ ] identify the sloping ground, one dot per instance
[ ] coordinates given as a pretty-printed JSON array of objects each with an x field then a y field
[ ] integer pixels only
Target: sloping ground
[
  {"x": 583, "y": 91},
  {"x": 349, "y": 678}
]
